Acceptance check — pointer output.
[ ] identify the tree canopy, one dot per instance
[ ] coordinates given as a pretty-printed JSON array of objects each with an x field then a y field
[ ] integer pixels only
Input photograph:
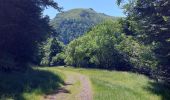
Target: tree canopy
[
  {"x": 106, "y": 46},
  {"x": 149, "y": 20},
  {"x": 22, "y": 27}
]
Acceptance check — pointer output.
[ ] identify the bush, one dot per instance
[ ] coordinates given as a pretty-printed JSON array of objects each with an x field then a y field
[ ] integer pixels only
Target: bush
[
  {"x": 58, "y": 59},
  {"x": 51, "y": 50},
  {"x": 139, "y": 56},
  {"x": 106, "y": 46}
]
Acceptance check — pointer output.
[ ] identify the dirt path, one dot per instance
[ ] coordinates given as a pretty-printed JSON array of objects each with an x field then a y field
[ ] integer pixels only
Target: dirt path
[{"x": 77, "y": 87}]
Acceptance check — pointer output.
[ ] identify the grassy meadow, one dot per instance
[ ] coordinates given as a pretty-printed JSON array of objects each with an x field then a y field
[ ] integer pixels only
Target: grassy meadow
[
  {"x": 106, "y": 85},
  {"x": 113, "y": 85}
]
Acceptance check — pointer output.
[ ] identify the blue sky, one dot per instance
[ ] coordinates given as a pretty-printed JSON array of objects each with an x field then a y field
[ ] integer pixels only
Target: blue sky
[{"x": 108, "y": 7}]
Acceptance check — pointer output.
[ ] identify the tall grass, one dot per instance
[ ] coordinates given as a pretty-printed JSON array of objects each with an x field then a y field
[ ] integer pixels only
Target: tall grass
[
  {"x": 113, "y": 85},
  {"x": 106, "y": 85},
  {"x": 29, "y": 85}
]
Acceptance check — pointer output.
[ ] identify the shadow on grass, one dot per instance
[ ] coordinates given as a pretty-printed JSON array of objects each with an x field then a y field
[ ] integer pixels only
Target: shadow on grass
[
  {"x": 13, "y": 85},
  {"x": 159, "y": 89}
]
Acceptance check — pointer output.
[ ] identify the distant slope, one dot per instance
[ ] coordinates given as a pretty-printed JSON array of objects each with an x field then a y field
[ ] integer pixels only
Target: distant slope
[{"x": 73, "y": 23}]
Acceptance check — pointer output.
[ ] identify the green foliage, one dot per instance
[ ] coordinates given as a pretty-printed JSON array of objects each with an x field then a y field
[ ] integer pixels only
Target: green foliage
[
  {"x": 105, "y": 46},
  {"x": 139, "y": 55},
  {"x": 58, "y": 59},
  {"x": 45, "y": 49},
  {"x": 74, "y": 23},
  {"x": 22, "y": 27},
  {"x": 150, "y": 21},
  {"x": 50, "y": 49}
]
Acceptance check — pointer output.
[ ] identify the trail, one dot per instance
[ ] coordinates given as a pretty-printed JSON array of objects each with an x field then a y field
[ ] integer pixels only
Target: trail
[{"x": 77, "y": 87}]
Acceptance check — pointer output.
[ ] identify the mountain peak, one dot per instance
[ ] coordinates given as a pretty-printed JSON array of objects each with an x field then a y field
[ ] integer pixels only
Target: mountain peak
[{"x": 75, "y": 22}]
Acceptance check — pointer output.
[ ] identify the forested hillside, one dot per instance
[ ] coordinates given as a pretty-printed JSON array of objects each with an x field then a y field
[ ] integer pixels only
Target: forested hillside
[{"x": 74, "y": 23}]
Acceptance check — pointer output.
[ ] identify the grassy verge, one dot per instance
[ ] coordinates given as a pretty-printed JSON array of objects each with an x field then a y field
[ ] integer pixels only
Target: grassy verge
[
  {"x": 31, "y": 85},
  {"x": 113, "y": 85}
]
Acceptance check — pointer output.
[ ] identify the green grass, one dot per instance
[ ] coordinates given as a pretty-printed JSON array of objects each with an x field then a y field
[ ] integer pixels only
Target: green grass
[
  {"x": 113, "y": 85},
  {"x": 30, "y": 85},
  {"x": 106, "y": 85}
]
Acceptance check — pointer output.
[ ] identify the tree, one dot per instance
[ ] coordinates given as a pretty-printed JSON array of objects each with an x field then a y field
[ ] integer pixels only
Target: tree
[
  {"x": 22, "y": 27},
  {"x": 106, "y": 46},
  {"x": 153, "y": 17},
  {"x": 50, "y": 49}
]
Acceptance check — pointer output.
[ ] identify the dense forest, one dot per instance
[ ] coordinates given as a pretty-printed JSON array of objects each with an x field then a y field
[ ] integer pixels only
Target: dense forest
[{"x": 83, "y": 38}]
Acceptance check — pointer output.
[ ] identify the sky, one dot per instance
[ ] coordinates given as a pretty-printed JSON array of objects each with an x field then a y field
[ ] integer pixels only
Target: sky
[{"x": 108, "y": 7}]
